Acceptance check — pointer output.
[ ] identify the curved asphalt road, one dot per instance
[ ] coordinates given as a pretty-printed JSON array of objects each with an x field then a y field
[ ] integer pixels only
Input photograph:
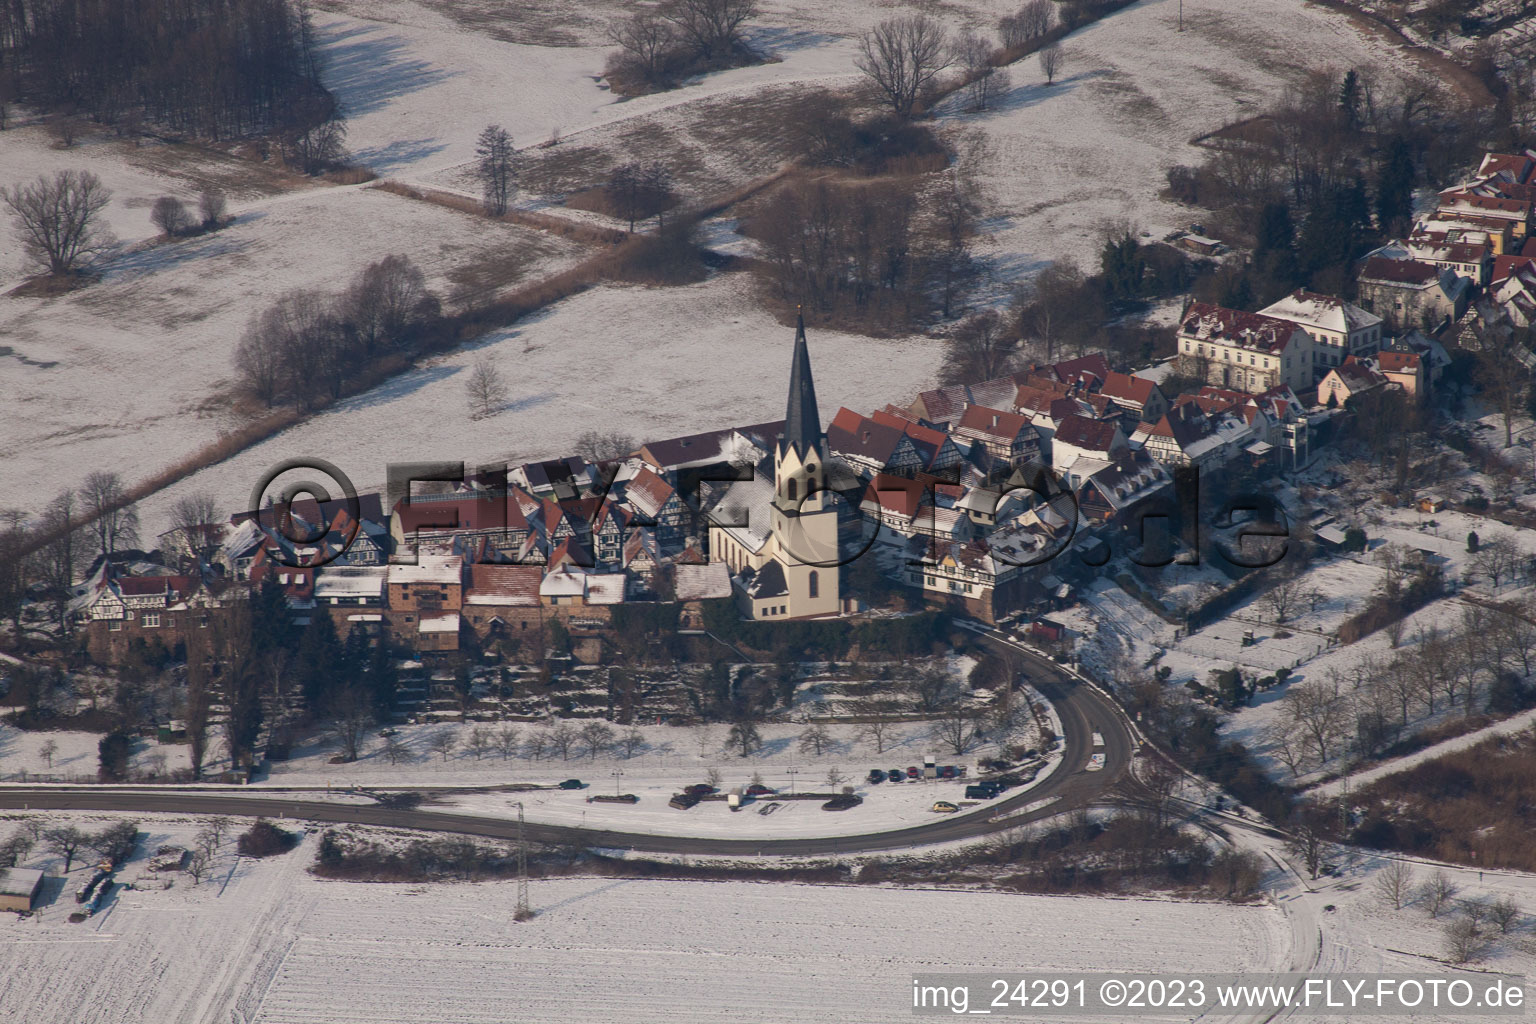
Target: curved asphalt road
[{"x": 1082, "y": 709}]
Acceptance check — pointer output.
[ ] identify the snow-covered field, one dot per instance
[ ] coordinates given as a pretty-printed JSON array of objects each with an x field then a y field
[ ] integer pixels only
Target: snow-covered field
[
  {"x": 136, "y": 360},
  {"x": 265, "y": 943},
  {"x": 653, "y": 363}
]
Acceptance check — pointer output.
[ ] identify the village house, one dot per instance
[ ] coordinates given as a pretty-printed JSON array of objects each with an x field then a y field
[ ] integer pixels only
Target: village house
[
  {"x": 1409, "y": 294},
  {"x": 1337, "y": 329},
  {"x": 1406, "y": 370},
  {"x": 1118, "y": 493},
  {"x": 1007, "y": 437},
  {"x": 1139, "y": 397},
  {"x": 1343, "y": 382},
  {"x": 1082, "y": 446},
  {"x": 353, "y": 596},
  {"x": 1246, "y": 351}
]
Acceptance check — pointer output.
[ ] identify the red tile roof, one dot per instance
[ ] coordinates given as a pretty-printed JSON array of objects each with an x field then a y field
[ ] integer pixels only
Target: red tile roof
[
  {"x": 1082, "y": 432},
  {"x": 1206, "y": 322},
  {"x": 1125, "y": 387},
  {"x": 504, "y": 584}
]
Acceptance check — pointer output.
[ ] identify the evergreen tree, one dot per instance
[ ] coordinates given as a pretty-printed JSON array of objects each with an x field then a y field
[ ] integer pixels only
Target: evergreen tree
[
  {"x": 320, "y": 662},
  {"x": 383, "y": 678},
  {"x": 1122, "y": 265},
  {"x": 1274, "y": 253},
  {"x": 1349, "y": 99},
  {"x": 271, "y": 620},
  {"x": 1394, "y": 186}
]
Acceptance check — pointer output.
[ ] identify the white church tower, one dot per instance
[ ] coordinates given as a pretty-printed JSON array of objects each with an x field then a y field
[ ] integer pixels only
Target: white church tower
[{"x": 803, "y": 519}]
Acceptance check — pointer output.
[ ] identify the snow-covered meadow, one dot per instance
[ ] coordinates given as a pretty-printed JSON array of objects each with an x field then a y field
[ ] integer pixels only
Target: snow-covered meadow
[
  {"x": 264, "y": 942},
  {"x": 132, "y": 374}
]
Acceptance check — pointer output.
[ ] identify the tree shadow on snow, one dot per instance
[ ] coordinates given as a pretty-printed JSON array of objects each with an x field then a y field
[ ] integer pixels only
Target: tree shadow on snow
[
  {"x": 398, "y": 154},
  {"x": 1021, "y": 97},
  {"x": 396, "y": 389},
  {"x": 167, "y": 256},
  {"x": 367, "y": 69},
  {"x": 777, "y": 40}
]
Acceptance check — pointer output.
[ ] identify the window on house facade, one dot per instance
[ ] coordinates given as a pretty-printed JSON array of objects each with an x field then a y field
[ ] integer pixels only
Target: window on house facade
[
  {"x": 814, "y": 582},
  {"x": 114, "y": 625},
  {"x": 151, "y": 620}
]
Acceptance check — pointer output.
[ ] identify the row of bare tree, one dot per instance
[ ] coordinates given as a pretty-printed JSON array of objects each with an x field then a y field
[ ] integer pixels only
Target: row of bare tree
[{"x": 308, "y": 345}]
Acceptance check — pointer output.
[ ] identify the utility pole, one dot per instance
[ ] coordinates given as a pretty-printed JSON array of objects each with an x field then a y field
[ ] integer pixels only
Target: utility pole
[
  {"x": 523, "y": 912},
  {"x": 1181, "y": 15},
  {"x": 617, "y": 773}
]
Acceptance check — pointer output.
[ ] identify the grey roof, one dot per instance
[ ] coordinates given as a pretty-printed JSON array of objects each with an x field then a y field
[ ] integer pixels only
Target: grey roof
[
  {"x": 19, "y": 881},
  {"x": 802, "y": 420}
]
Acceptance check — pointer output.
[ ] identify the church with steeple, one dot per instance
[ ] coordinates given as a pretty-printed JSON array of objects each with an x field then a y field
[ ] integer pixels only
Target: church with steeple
[{"x": 780, "y": 536}]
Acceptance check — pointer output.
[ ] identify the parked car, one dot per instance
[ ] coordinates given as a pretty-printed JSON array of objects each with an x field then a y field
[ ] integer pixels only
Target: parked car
[
  {"x": 572, "y": 784},
  {"x": 980, "y": 791},
  {"x": 758, "y": 789},
  {"x": 944, "y": 807},
  {"x": 946, "y": 771},
  {"x": 914, "y": 772},
  {"x": 876, "y": 775},
  {"x": 700, "y": 789},
  {"x": 896, "y": 775},
  {"x": 387, "y": 733}
]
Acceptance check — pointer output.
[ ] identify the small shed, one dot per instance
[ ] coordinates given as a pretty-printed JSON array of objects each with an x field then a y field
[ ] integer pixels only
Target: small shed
[
  {"x": 1431, "y": 503},
  {"x": 19, "y": 888},
  {"x": 1048, "y": 629}
]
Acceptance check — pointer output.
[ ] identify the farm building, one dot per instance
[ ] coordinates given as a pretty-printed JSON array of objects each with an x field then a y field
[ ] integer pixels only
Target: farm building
[{"x": 19, "y": 887}]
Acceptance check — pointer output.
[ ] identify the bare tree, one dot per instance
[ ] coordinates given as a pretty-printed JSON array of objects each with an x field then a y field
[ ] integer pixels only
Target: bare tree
[
  {"x": 387, "y": 302},
  {"x": 877, "y": 725},
  {"x": 259, "y": 362},
  {"x": 198, "y": 866},
  {"x": 1495, "y": 560},
  {"x": 1035, "y": 18},
  {"x": 744, "y": 734},
  {"x": 1285, "y": 744},
  {"x": 195, "y": 517},
  {"x": 1047, "y": 306},
  {"x": 902, "y": 57},
  {"x": 15, "y": 849},
  {"x": 65, "y": 842},
  {"x": 1505, "y": 913},
  {"x": 645, "y": 41},
  {"x": 958, "y": 728},
  {"x": 213, "y": 208},
  {"x": 443, "y": 742},
  {"x": 984, "y": 82},
  {"x": 62, "y": 553},
  {"x": 171, "y": 216},
  {"x": 1051, "y": 61},
  {"x": 1283, "y": 597},
  {"x": 596, "y": 737},
  {"x": 497, "y": 167},
  {"x": 562, "y": 738},
  {"x": 980, "y": 349},
  {"x": 479, "y": 742},
  {"x": 929, "y": 685},
  {"x": 636, "y": 191},
  {"x": 631, "y": 742},
  {"x": 113, "y": 518},
  {"x": 395, "y": 750},
  {"x": 712, "y": 27},
  {"x": 352, "y": 715},
  {"x": 1318, "y": 711},
  {"x": 603, "y": 446},
  {"x": 59, "y": 219},
  {"x": 317, "y": 146},
  {"x": 485, "y": 388},
  {"x": 815, "y": 739},
  {"x": 1463, "y": 942},
  {"x": 47, "y": 750},
  {"x": 1437, "y": 892},
  {"x": 507, "y": 738},
  {"x": 1394, "y": 883}
]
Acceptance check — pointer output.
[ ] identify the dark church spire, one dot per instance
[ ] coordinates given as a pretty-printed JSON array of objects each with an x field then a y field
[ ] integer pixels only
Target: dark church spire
[{"x": 802, "y": 420}]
